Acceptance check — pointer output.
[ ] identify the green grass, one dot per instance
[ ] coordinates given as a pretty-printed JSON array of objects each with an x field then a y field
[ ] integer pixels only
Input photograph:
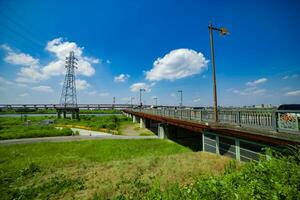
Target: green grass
[
  {"x": 92, "y": 122},
  {"x": 140, "y": 169},
  {"x": 63, "y": 170},
  {"x": 13, "y": 127}
]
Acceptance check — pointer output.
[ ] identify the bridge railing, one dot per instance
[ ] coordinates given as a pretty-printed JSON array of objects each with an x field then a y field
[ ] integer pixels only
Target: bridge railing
[{"x": 267, "y": 119}]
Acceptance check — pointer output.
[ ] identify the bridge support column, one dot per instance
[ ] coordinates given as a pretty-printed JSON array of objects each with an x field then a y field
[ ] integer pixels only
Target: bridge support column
[
  {"x": 237, "y": 149},
  {"x": 134, "y": 120},
  {"x": 162, "y": 129},
  {"x": 58, "y": 114},
  {"x": 142, "y": 123}
]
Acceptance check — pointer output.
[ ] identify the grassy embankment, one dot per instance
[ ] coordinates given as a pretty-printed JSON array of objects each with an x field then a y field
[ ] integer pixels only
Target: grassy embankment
[
  {"x": 100, "y": 169},
  {"x": 139, "y": 169},
  {"x": 15, "y": 127}
]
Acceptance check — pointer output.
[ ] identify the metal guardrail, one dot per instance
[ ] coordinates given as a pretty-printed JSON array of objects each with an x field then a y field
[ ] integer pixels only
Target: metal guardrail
[{"x": 267, "y": 119}]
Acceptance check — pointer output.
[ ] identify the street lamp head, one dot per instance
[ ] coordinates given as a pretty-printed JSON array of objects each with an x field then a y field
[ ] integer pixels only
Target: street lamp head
[{"x": 224, "y": 31}]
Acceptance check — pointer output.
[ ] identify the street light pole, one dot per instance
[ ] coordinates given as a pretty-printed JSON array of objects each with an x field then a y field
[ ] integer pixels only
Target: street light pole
[
  {"x": 223, "y": 31},
  {"x": 180, "y": 91},
  {"x": 155, "y": 101},
  {"x": 141, "y": 90},
  {"x": 131, "y": 101}
]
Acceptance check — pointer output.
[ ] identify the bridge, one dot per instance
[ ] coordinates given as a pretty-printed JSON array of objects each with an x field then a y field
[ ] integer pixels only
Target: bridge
[{"x": 240, "y": 133}]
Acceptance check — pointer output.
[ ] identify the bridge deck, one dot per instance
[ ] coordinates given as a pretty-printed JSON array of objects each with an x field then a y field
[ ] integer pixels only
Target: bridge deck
[{"x": 260, "y": 125}]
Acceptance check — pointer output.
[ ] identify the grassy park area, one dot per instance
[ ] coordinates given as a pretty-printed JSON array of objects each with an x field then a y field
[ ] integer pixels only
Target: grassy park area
[
  {"x": 99, "y": 169},
  {"x": 139, "y": 169},
  {"x": 17, "y": 127}
]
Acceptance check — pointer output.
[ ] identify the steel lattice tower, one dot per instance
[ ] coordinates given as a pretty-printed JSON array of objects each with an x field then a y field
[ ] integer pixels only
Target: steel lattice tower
[{"x": 68, "y": 95}]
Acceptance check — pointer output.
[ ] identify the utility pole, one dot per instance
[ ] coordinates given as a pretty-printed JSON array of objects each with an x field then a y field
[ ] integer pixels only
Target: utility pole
[
  {"x": 223, "y": 31},
  {"x": 155, "y": 98},
  {"x": 131, "y": 98},
  {"x": 181, "y": 98},
  {"x": 141, "y": 90},
  {"x": 114, "y": 101}
]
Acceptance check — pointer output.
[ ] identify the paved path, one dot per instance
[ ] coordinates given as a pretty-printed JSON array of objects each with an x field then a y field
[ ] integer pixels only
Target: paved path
[{"x": 84, "y": 135}]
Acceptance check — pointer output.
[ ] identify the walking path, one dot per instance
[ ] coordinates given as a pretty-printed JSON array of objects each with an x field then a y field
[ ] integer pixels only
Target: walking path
[{"x": 83, "y": 135}]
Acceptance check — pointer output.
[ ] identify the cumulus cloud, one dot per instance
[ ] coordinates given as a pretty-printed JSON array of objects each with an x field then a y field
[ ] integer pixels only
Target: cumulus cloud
[
  {"x": 121, "y": 78},
  {"x": 15, "y": 58},
  {"x": 103, "y": 94},
  {"x": 137, "y": 86},
  {"x": 251, "y": 91},
  {"x": 293, "y": 93},
  {"x": 196, "y": 100},
  {"x": 32, "y": 71},
  {"x": 177, "y": 64},
  {"x": 23, "y": 95},
  {"x": 81, "y": 84},
  {"x": 256, "y": 82},
  {"x": 42, "y": 88}
]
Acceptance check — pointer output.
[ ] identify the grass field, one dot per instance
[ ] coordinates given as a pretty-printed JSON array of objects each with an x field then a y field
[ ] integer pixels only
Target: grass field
[
  {"x": 14, "y": 127},
  {"x": 99, "y": 169}
]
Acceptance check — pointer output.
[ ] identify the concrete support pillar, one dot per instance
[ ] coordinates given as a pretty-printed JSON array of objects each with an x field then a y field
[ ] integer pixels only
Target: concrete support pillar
[
  {"x": 77, "y": 115},
  {"x": 237, "y": 149},
  {"x": 142, "y": 123},
  {"x": 162, "y": 130},
  {"x": 58, "y": 114},
  {"x": 134, "y": 120},
  {"x": 217, "y": 145}
]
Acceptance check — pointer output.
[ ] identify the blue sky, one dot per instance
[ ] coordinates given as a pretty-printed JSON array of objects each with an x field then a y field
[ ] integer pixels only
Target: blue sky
[{"x": 162, "y": 46}]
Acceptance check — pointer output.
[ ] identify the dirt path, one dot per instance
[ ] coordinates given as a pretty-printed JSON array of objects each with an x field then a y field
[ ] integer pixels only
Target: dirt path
[{"x": 135, "y": 130}]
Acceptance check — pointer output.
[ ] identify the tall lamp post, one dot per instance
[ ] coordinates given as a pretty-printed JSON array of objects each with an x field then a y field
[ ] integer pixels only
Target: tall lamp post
[
  {"x": 141, "y": 90},
  {"x": 223, "y": 31},
  {"x": 155, "y": 98},
  {"x": 180, "y": 91},
  {"x": 131, "y": 98}
]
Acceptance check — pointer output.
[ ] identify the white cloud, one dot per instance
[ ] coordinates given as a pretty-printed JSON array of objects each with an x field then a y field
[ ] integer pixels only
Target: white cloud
[
  {"x": 103, "y": 94},
  {"x": 81, "y": 84},
  {"x": 252, "y": 91},
  {"x": 256, "y": 82},
  {"x": 61, "y": 49},
  {"x": 196, "y": 100},
  {"x": 295, "y": 76},
  {"x": 4, "y": 81},
  {"x": 177, "y": 64},
  {"x": 15, "y": 58},
  {"x": 285, "y": 77},
  {"x": 121, "y": 78},
  {"x": 92, "y": 92},
  {"x": 32, "y": 71},
  {"x": 42, "y": 88},
  {"x": 24, "y": 95},
  {"x": 137, "y": 86},
  {"x": 293, "y": 93}
]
